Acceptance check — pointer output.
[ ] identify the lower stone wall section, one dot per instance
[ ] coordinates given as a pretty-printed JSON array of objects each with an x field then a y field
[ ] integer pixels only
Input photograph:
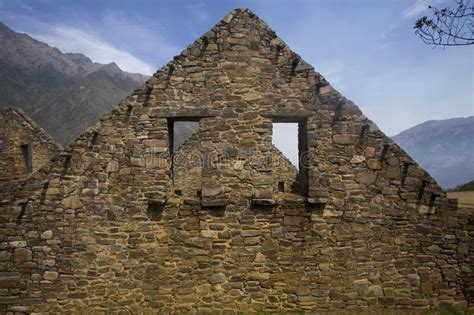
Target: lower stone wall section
[{"x": 286, "y": 258}]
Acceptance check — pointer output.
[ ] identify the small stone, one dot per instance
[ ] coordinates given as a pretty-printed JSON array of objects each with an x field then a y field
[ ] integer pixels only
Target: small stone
[
  {"x": 357, "y": 159},
  {"x": 329, "y": 212},
  {"x": 367, "y": 177},
  {"x": 263, "y": 192},
  {"x": 426, "y": 210},
  {"x": 72, "y": 202},
  {"x": 22, "y": 255},
  {"x": 214, "y": 203},
  {"x": 228, "y": 18},
  {"x": 211, "y": 191},
  {"x": 413, "y": 277},
  {"x": 374, "y": 164},
  {"x": 263, "y": 202},
  {"x": 250, "y": 233},
  {"x": 369, "y": 152},
  {"x": 5, "y": 255},
  {"x": 49, "y": 262},
  {"x": 50, "y": 275},
  {"x": 217, "y": 278},
  {"x": 343, "y": 138},
  {"x": 375, "y": 290},
  {"x": 427, "y": 288},
  {"x": 112, "y": 166},
  {"x": 252, "y": 96},
  {"x": 46, "y": 235}
]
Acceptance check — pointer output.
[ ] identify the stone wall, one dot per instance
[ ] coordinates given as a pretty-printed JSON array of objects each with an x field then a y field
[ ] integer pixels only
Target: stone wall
[
  {"x": 188, "y": 162},
  {"x": 103, "y": 230},
  {"x": 19, "y": 137}
]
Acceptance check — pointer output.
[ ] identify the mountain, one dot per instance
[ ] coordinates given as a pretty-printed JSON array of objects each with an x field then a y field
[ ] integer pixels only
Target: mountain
[
  {"x": 445, "y": 148},
  {"x": 63, "y": 92}
]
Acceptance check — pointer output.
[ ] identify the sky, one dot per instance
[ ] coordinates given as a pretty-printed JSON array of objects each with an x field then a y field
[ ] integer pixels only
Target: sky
[{"x": 366, "y": 49}]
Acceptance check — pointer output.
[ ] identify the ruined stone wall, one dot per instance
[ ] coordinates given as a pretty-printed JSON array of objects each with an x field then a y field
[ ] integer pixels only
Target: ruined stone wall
[
  {"x": 102, "y": 228},
  {"x": 188, "y": 163},
  {"x": 18, "y": 130}
]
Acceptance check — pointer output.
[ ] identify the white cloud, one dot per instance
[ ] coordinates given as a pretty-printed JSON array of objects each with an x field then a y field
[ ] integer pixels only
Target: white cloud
[
  {"x": 419, "y": 6},
  {"x": 69, "y": 39}
]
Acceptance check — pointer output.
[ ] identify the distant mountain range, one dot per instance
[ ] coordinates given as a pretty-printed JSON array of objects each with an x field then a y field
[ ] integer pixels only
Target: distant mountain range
[
  {"x": 63, "y": 93},
  {"x": 445, "y": 148}
]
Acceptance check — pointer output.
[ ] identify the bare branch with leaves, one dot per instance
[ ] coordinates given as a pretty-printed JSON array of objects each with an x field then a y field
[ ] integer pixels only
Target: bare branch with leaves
[{"x": 448, "y": 26}]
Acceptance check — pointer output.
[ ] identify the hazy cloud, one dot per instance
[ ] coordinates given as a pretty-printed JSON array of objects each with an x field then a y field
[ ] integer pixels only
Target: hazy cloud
[
  {"x": 69, "y": 39},
  {"x": 419, "y": 6}
]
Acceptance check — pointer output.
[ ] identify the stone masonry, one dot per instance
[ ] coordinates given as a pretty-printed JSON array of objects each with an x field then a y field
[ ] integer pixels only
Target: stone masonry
[
  {"x": 24, "y": 148},
  {"x": 187, "y": 169},
  {"x": 101, "y": 227}
]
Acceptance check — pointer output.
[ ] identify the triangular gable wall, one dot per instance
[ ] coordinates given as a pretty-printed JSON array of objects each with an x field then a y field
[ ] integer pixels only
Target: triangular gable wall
[{"x": 360, "y": 233}]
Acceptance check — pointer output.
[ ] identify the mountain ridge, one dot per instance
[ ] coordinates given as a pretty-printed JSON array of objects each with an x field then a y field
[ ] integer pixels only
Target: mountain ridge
[
  {"x": 444, "y": 148},
  {"x": 44, "y": 82}
]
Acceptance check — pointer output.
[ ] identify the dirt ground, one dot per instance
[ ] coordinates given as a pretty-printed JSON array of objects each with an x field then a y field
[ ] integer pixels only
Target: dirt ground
[{"x": 465, "y": 198}]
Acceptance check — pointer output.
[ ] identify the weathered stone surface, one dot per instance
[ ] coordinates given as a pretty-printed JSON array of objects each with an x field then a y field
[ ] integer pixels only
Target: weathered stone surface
[
  {"x": 217, "y": 278},
  {"x": 214, "y": 203},
  {"x": 22, "y": 255},
  {"x": 357, "y": 159},
  {"x": 50, "y": 275},
  {"x": 163, "y": 235},
  {"x": 46, "y": 235},
  {"x": 263, "y": 202},
  {"x": 366, "y": 177},
  {"x": 211, "y": 191},
  {"x": 24, "y": 148},
  {"x": 73, "y": 202},
  {"x": 343, "y": 138}
]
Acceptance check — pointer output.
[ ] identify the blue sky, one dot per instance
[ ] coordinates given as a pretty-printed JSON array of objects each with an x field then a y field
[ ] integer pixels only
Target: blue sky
[{"x": 365, "y": 48}]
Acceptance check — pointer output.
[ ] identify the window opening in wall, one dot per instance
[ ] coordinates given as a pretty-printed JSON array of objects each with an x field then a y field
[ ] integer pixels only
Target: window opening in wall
[
  {"x": 281, "y": 186},
  {"x": 180, "y": 131},
  {"x": 19, "y": 218},
  {"x": 289, "y": 136},
  {"x": 155, "y": 211},
  {"x": 27, "y": 156},
  {"x": 285, "y": 139}
]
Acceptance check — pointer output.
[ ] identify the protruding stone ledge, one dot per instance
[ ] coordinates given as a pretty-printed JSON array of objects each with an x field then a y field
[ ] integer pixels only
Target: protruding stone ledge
[
  {"x": 263, "y": 202},
  {"x": 285, "y": 115},
  {"x": 213, "y": 196},
  {"x": 317, "y": 201},
  {"x": 214, "y": 202},
  {"x": 158, "y": 202},
  {"x": 426, "y": 210},
  {"x": 182, "y": 114}
]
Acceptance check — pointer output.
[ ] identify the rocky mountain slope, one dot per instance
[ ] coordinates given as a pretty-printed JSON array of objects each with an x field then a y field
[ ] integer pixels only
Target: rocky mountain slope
[
  {"x": 445, "y": 148},
  {"x": 63, "y": 93}
]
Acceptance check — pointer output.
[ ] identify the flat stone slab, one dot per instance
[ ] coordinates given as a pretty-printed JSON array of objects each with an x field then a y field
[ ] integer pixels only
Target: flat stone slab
[
  {"x": 263, "y": 202},
  {"x": 317, "y": 200},
  {"x": 214, "y": 202}
]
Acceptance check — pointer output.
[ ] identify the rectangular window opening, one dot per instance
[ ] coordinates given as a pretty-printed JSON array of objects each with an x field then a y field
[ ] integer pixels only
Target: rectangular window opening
[
  {"x": 281, "y": 186},
  {"x": 27, "y": 156},
  {"x": 155, "y": 211},
  {"x": 180, "y": 131},
  {"x": 289, "y": 138}
]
